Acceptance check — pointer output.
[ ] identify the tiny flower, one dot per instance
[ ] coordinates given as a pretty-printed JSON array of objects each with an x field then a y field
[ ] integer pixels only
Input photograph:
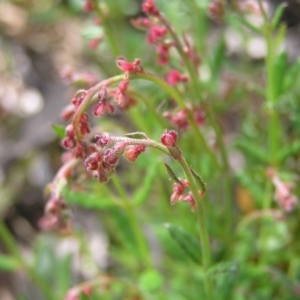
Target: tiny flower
[
  {"x": 174, "y": 76},
  {"x": 94, "y": 43},
  {"x": 103, "y": 139},
  {"x": 126, "y": 66},
  {"x": 190, "y": 199},
  {"x": 156, "y": 33},
  {"x": 169, "y": 138},
  {"x": 70, "y": 132},
  {"x": 141, "y": 22},
  {"x": 67, "y": 112},
  {"x": 68, "y": 143},
  {"x": 163, "y": 51},
  {"x": 178, "y": 191},
  {"x": 84, "y": 127},
  {"x": 78, "y": 98},
  {"x": 150, "y": 8},
  {"x": 283, "y": 194},
  {"x": 88, "y": 6},
  {"x": 216, "y": 10},
  {"x": 92, "y": 161},
  {"x": 132, "y": 152},
  {"x": 110, "y": 157}
]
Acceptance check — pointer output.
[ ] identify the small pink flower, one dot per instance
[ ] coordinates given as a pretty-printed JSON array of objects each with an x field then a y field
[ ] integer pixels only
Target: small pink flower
[
  {"x": 141, "y": 23},
  {"x": 178, "y": 191},
  {"x": 169, "y": 138},
  {"x": 156, "y": 33},
  {"x": 174, "y": 76},
  {"x": 283, "y": 194},
  {"x": 216, "y": 10},
  {"x": 84, "y": 126},
  {"x": 163, "y": 51},
  {"x": 126, "y": 66},
  {"x": 94, "y": 43},
  {"x": 103, "y": 139},
  {"x": 132, "y": 152},
  {"x": 92, "y": 161},
  {"x": 190, "y": 199},
  {"x": 88, "y": 6},
  {"x": 67, "y": 112},
  {"x": 68, "y": 143},
  {"x": 150, "y": 8}
]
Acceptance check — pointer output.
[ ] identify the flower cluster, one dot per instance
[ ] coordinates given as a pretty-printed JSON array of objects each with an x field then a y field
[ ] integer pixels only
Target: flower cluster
[
  {"x": 283, "y": 191},
  {"x": 179, "y": 194},
  {"x": 179, "y": 118}
]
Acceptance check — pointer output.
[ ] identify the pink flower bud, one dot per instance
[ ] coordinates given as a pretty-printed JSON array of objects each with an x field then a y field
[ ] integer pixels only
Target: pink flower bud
[
  {"x": 92, "y": 161},
  {"x": 150, "y": 8},
  {"x": 103, "y": 139},
  {"x": 68, "y": 143},
  {"x": 132, "y": 152},
  {"x": 169, "y": 138}
]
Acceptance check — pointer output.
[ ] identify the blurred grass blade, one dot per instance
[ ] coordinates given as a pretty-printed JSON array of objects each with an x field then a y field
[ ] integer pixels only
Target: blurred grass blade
[
  {"x": 59, "y": 130},
  {"x": 228, "y": 267},
  {"x": 278, "y": 14},
  {"x": 186, "y": 242},
  {"x": 141, "y": 195},
  {"x": 9, "y": 263},
  {"x": 252, "y": 150}
]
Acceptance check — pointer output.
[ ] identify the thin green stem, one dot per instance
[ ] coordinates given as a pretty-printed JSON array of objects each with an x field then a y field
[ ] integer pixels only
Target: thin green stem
[
  {"x": 197, "y": 94},
  {"x": 135, "y": 226},
  {"x": 177, "y": 97},
  {"x": 271, "y": 92},
  {"x": 11, "y": 246},
  {"x": 107, "y": 30},
  {"x": 204, "y": 237}
]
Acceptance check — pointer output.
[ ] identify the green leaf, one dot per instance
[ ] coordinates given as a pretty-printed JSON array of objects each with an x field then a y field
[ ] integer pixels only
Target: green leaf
[
  {"x": 186, "y": 242},
  {"x": 146, "y": 186},
  {"x": 252, "y": 150},
  {"x": 279, "y": 71},
  {"x": 88, "y": 199},
  {"x": 9, "y": 263},
  {"x": 277, "y": 15},
  {"x": 289, "y": 151},
  {"x": 59, "y": 130},
  {"x": 227, "y": 267},
  {"x": 150, "y": 281}
]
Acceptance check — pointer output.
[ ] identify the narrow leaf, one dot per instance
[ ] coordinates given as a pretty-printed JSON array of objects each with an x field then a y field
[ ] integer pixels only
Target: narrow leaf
[
  {"x": 8, "y": 263},
  {"x": 88, "y": 199},
  {"x": 143, "y": 192},
  {"x": 59, "y": 130},
  {"x": 227, "y": 267},
  {"x": 186, "y": 242},
  {"x": 253, "y": 151},
  {"x": 277, "y": 15}
]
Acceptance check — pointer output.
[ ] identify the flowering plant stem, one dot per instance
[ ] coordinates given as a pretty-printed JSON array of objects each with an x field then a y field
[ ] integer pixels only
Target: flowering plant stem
[{"x": 137, "y": 231}]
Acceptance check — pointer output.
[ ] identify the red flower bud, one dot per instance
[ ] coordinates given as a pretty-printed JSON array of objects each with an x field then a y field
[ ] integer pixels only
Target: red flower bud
[
  {"x": 150, "y": 8},
  {"x": 102, "y": 139},
  {"x": 132, "y": 152},
  {"x": 68, "y": 143},
  {"x": 92, "y": 161},
  {"x": 169, "y": 138}
]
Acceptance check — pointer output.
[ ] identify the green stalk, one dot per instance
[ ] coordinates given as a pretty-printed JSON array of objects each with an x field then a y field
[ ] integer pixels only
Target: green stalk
[
  {"x": 107, "y": 30},
  {"x": 274, "y": 122},
  {"x": 11, "y": 246},
  {"x": 204, "y": 237},
  {"x": 135, "y": 226},
  {"x": 177, "y": 97}
]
